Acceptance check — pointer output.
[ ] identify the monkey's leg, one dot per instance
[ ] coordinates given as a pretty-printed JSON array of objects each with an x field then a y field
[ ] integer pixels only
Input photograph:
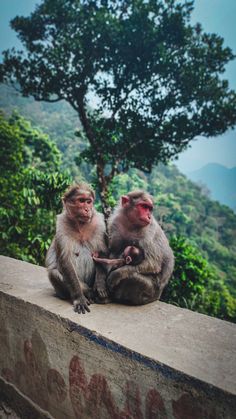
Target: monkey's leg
[
  {"x": 134, "y": 289},
  {"x": 58, "y": 283},
  {"x": 88, "y": 292},
  {"x": 100, "y": 288}
]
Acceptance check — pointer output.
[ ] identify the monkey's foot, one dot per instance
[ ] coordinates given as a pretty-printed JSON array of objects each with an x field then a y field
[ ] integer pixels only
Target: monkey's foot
[
  {"x": 100, "y": 289},
  {"x": 101, "y": 294},
  {"x": 81, "y": 305},
  {"x": 99, "y": 300}
]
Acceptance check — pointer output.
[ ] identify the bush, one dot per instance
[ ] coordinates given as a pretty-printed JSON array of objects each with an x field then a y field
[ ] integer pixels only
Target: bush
[{"x": 196, "y": 286}]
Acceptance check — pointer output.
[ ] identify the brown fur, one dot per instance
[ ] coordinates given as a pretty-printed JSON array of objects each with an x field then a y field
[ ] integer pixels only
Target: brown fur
[
  {"x": 71, "y": 268},
  {"x": 144, "y": 282}
]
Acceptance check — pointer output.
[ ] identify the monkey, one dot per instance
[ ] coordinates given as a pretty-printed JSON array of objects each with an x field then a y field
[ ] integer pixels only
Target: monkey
[
  {"x": 133, "y": 224},
  {"x": 80, "y": 231},
  {"x": 131, "y": 255}
]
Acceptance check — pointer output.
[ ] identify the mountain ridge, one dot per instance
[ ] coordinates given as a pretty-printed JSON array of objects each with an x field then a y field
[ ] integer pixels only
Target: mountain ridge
[{"x": 220, "y": 181}]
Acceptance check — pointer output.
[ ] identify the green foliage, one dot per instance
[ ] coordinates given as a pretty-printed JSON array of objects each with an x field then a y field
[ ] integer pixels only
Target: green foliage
[
  {"x": 203, "y": 280},
  {"x": 11, "y": 145},
  {"x": 39, "y": 151},
  {"x": 58, "y": 120},
  {"x": 196, "y": 286},
  {"x": 123, "y": 183},
  {"x": 30, "y": 200},
  {"x": 191, "y": 271},
  {"x": 183, "y": 209},
  {"x": 153, "y": 90},
  {"x": 29, "y": 197}
]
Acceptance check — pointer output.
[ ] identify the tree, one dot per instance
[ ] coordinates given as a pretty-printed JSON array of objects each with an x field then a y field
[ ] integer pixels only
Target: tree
[
  {"x": 30, "y": 198},
  {"x": 155, "y": 80}
]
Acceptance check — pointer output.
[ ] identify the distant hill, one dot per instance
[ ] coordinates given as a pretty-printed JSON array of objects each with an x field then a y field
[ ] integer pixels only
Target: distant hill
[
  {"x": 220, "y": 181},
  {"x": 57, "y": 119}
]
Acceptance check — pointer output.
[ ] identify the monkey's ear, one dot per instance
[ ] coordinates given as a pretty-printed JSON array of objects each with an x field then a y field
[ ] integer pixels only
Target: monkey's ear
[{"x": 124, "y": 200}]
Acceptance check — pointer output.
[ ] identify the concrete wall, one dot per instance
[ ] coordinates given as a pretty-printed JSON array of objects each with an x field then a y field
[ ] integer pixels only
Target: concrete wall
[{"x": 119, "y": 362}]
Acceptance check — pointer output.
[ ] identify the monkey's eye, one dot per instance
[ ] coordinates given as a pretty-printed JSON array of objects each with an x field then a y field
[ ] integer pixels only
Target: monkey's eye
[
  {"x": 84, "y": 200},
  {"x": 147, "y": 207}
]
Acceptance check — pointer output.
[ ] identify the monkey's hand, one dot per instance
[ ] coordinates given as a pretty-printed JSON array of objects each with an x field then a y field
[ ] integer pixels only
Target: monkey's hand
[
  {"x": 100, "y": 289},
  {"x": 81, "y": 305}
]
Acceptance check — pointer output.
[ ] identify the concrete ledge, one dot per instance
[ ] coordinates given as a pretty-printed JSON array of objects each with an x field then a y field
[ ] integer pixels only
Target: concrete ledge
[{"x": 154, "y": 361}]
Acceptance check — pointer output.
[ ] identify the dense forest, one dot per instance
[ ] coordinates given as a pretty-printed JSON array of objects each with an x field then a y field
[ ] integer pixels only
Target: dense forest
[{"x": 43, "y": 144}]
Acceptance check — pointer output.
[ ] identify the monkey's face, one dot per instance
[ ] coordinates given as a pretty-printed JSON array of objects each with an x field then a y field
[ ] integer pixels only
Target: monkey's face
[
  {"x": 142, "y": 213},
  {"x": 82, "y": 208},
  {"x": 133, "y": 254}
]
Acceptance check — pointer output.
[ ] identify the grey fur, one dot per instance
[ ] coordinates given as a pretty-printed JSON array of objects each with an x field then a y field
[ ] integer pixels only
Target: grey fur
[{"x": 71, "y": 268}]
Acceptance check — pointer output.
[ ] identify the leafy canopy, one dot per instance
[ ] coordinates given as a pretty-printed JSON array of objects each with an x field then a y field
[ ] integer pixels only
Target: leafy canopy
[
  {"x": 154, "y": 80},
  {"x": 155, "y": 76}
]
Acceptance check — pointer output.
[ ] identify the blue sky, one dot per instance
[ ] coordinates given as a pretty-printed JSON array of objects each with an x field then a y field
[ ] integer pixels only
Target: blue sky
[{"x": 215, "y": 16}]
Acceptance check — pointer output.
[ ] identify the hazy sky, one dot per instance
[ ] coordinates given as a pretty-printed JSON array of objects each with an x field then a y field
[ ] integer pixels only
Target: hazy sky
[{"x": 215, "y": 16}]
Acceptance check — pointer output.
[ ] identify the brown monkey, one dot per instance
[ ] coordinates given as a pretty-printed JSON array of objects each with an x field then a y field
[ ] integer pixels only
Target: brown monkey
[
  {"x": 132, "y": 224},
  {"x": 80, "y": 231},
  {"x": 131, "y": 255}
]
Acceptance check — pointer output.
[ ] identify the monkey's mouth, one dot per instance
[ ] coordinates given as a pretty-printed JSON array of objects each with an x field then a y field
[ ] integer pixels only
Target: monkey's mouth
[
  {"x": 84, "y": 218},
  {"x": 145, "y": 221}
]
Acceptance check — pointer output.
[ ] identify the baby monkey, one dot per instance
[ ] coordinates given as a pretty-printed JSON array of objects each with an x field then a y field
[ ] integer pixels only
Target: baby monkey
[{"x": 132, "y": 255}]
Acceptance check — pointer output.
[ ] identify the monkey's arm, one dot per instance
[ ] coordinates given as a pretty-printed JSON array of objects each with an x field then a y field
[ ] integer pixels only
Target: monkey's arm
[
  {"x": 100, "y": 286},
  {"x": 145, "y": 268},
  {"x": 80, "y": 302},
  {"x": 149, "y": 267},
  {"x": 66, "y": 259},
  {"x": 112, "y": 262}
]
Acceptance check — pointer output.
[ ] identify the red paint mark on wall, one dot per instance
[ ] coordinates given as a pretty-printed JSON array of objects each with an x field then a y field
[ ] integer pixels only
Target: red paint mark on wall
[
  {"x": 8, "y": 375},
  {"x": 155, "y": 407},
  {"x": 92, "y": 396},
  {"x": 133, "y": 405},
  {"x": 29, "y": 376},
  {"x": 56, "y": 386},
  {"x": 188, "y": 407}
]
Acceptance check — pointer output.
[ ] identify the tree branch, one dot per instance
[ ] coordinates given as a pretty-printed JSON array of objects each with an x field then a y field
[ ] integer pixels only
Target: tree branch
[
  {"x": 49, "y": 100},
  {"x": 85, "y": 122}
]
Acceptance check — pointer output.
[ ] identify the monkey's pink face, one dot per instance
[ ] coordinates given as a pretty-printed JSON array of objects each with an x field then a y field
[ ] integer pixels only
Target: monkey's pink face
[
  {"x": 83, "y": 207},
  {"x": 142, "y": 213}
]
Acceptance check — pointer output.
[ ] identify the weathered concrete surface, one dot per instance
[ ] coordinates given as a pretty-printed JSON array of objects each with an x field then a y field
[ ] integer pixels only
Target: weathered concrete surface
[{"x": 154, "y": 361}]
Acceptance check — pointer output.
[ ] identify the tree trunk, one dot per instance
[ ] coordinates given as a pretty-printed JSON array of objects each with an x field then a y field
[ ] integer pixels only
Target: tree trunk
[{"x": 103, "y": 186}]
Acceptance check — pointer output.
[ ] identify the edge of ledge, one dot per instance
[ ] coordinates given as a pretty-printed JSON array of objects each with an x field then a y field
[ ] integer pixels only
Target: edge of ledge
[
  {"x": 108, "y": 344},
  {"x": 108, "y": 326}
]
